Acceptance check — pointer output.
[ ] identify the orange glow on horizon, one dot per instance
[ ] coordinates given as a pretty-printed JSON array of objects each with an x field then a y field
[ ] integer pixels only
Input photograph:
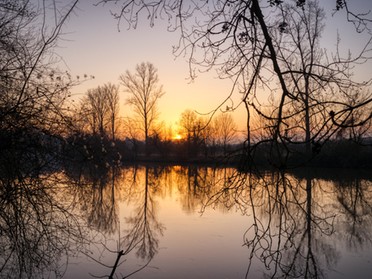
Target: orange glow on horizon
[{"x": 177, "y": 137}]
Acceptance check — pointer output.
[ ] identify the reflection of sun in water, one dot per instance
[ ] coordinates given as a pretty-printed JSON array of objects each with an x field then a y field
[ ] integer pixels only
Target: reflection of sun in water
[{"x": 177, "y": 137}]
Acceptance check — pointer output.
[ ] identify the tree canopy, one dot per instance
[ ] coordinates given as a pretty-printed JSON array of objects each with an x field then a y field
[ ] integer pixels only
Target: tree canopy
[
  {"x": 271, "y": 46},
  {"x": 144, "y": 94}
]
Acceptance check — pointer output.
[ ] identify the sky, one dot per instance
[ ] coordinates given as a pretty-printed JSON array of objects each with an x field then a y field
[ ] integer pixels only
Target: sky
[{"x": 92, "y": 44}]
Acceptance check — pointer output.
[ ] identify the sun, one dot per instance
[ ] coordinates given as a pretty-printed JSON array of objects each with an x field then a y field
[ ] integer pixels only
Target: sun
[{"x": 177, "y": 137}]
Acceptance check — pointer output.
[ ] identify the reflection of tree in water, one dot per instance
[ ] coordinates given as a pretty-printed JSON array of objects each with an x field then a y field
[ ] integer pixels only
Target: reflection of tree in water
[
  {"x": 192, "y": 184},
  {"x": 288, "y": 235},
  {"x": 140, "y": 184},
  {"x": 355, "y": 199},
  {"x": 292, "y": 219},
  {"x": 95, "y": 194},
  {"x": 196, "y": 185},
  {"x": 98, "y": 191},
  {"x": 145, "y": 229},
  {"x": 36, "y": 228}
]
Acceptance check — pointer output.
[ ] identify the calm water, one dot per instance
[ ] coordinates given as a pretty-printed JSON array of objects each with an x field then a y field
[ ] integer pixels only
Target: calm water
[{"x": 187, "y": 222}]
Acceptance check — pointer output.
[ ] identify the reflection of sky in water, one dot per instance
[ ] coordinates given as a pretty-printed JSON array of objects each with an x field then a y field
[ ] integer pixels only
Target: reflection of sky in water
[
  {"x": 355, "y": 264},
  {"x": 202, "y": 246},
  {"x": 210, "y": 245}
]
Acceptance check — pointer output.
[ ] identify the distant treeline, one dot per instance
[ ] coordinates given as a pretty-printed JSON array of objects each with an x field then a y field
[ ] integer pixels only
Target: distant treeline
[
  {"x": 31, "y": 151},
  {"x": 338, "y": 153}
]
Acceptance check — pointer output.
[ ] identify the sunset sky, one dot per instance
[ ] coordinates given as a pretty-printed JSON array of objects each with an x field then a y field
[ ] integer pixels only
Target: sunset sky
[{"x": 92, "y": 45}]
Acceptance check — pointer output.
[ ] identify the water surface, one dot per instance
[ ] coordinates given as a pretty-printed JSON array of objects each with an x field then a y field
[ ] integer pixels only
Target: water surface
[{"x": 188, "y": 222}]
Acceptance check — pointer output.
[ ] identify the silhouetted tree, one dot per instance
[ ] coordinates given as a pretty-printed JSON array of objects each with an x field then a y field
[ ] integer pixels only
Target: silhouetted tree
[
  {"x": 112, "y": 93},
  {"x": 254, "y": 42},
  {"x": 317, "y": 83},
  {"x": 34, "y": 92},
  {"x": 224, "y": 130},
  {"x": 100, "y": 109},
  {"x": 144, "y": 93},
  {"x": 194, "y": 130}
]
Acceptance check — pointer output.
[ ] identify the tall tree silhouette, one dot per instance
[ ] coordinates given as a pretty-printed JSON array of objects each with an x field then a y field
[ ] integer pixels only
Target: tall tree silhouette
[
  {"x": 247, "y": 41},
  {"x": 99, "y": 110},
  {"x": 144, "y": 93}
]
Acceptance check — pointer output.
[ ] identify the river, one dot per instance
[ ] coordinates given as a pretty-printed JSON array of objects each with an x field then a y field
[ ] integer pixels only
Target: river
[{"x": 187, "y": 222}]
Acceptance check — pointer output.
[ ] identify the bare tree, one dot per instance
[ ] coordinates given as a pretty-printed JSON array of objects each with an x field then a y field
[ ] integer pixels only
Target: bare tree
[
  {"x": 33, "y": 91},
  {"x": 100, "y": 108},
  {"x": 247, "y": 41},
  {"x": 318, "y": 84},
  {"x": 194, "y": 129},
  {"x": 144, "y": 93},
  {"x": 97, "y": 110},
  {"x": 224, "y": 129},
  {"x": 112, "y": 93},
  {"x": 189, "y": 122}
]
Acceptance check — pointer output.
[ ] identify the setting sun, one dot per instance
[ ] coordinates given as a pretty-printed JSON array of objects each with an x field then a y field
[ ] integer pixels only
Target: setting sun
[{"x": 177, "y": 137}]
